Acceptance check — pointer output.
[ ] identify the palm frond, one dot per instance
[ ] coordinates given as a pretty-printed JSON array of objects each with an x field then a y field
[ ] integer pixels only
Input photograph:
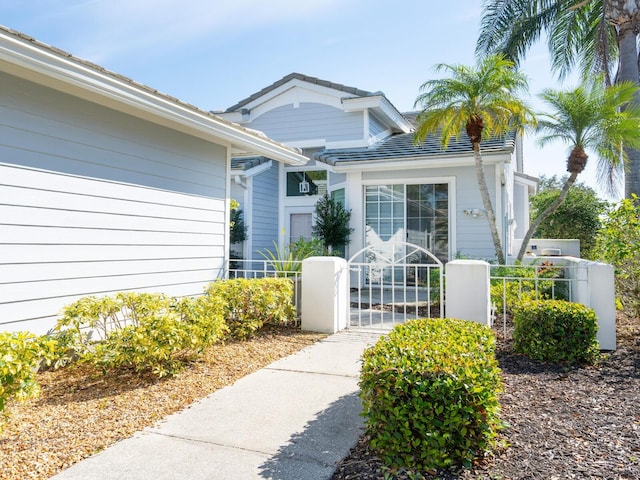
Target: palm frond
[{"x": 594, "y": 117}]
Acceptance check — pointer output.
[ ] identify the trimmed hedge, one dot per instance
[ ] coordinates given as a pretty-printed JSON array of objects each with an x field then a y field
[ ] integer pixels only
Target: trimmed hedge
[
  {"x": 153, "y": 332},
  {"x": 556, "y": 331},
  {"x": 430, "y": 393}
]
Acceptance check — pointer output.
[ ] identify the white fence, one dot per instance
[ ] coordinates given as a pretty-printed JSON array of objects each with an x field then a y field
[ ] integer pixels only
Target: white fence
[
  {"x": 468, "y": 287},
  {"x": 329, "y": 296}
]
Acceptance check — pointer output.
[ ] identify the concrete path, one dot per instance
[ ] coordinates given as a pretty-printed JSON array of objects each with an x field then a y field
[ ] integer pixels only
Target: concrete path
[{"x": 293, "y": 420}]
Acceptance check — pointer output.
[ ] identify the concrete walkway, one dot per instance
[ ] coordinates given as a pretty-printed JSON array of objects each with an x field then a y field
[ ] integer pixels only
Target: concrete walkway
[{"x": 292, "y": 420}]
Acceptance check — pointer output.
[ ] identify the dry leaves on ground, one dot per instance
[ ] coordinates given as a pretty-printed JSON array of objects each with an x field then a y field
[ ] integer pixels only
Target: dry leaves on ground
[{"x": 81, "y": 411}]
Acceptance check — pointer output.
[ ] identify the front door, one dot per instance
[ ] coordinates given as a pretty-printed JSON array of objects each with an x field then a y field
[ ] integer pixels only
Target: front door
[{"x": 413, "y": 213}]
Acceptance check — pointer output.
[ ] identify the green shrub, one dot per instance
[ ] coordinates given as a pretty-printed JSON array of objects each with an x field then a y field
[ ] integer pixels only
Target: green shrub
[
  {"x": 430, "y": 393},
  {"x": 556, "y": 331},
  {"x": 21, "y": 354},
  {"x": 140, "y": 330},
  {"x": 250, "y": 304},
  {"x": 516, "y": 283},
  {"x": 617, "y": 244}
]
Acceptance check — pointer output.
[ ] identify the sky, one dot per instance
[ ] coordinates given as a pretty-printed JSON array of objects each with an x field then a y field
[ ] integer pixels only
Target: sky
[{"x": 214, "y": 53}]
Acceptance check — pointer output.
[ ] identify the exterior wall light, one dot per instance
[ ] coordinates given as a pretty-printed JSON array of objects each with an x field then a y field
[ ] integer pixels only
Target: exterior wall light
[{"x": 474, "y": 212}]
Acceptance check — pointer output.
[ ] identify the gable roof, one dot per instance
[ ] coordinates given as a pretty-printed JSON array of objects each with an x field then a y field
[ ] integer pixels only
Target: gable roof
[
  {"x": 305, "y": 78},
  {"x": 401, "y": 147},
  {"x": 354, "y": 99},
  {"x": 32, "y": 60}
]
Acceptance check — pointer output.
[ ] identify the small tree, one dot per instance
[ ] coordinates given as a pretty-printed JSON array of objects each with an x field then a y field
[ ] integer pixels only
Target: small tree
[
  {"x": 482, "y": 101},
  {"x": 589, "y": 117},
  {"x": 577, "y": 217},
  {"x": 332, "y": 224},
  {"x": 237, "y": 227}
]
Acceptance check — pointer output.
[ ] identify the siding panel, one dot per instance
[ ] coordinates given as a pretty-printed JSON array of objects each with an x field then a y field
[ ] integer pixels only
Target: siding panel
[
  {"x": 93, "y": 202},
  {"x": 264, "y": 228},
  {"x": 310, "y": 121}
]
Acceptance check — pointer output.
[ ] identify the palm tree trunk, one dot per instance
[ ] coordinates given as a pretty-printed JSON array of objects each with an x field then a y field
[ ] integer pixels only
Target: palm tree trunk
[
  {"x": 629, "y": 72},
  {"x": 486, "y": 202},
  {"x": 545, "y": 214},
  {"x": 624, "y": 15}
]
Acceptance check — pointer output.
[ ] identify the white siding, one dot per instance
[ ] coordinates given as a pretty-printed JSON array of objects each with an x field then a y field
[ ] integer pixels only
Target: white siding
[
  {"x": 375, "y": 126},
  {"x": 94, "y": 202},
  {"x": 310, "y": 121}
]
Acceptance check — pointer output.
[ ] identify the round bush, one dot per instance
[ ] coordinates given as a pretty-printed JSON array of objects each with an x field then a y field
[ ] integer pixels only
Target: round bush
[
  {"x": 556, "y": 331},
  {"x": 430, "y": 393}
]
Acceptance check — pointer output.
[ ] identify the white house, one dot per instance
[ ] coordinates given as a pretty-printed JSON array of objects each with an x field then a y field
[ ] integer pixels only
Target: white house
[
  {"x": 363, "y": 153},
  {"x": 106, "y": 185}
]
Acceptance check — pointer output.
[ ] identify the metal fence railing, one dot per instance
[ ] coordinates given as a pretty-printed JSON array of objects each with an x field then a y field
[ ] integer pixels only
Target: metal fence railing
[{"x": 542, "y": 281}]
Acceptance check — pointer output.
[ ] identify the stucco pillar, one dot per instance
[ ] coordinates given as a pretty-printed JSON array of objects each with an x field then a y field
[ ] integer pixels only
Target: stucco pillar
[
  {"x": 467, "y": 293},
  {"x": 324, "y": 294},
  {"x": 594, "y": 286}
]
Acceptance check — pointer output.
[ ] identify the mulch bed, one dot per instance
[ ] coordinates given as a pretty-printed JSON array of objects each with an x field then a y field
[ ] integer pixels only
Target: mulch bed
[
  {"x": 563, "y": 423},
  {"x": 81, "y": 410}
]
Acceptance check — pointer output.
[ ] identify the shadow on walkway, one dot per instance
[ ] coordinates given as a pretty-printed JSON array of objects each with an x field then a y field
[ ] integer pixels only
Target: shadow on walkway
[{"x": 314, "y": 453}]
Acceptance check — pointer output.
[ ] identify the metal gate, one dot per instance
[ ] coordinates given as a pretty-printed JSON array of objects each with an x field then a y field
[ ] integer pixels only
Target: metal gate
[{"x": 390, "y": 283}]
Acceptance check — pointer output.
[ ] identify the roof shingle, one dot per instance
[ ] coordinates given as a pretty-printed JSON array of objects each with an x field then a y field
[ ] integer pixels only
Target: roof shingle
[{"x": 402, "y": 146}]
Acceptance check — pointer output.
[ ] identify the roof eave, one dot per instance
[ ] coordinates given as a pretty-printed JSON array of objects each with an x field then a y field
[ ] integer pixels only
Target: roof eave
[
  {"x": 380, "y": 104},
  {"x": 37, "y": 62},
  {"x": 410, "y": 163}
]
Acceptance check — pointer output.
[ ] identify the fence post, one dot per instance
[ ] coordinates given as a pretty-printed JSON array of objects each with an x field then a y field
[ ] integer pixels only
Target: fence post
[
  {"x": 467, "y": 291},
  {"x": 594, "y": 286},
  {"x": 324, "y": 294}
]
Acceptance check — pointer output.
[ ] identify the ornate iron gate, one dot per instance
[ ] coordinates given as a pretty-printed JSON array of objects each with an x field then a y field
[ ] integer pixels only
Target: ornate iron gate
[{"x": 392, "y": 282}]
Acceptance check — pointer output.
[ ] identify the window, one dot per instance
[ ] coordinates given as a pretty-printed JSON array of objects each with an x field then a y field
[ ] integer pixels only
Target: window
[
  {"x": 417, "y": 214},
  {"x": 301, "y": 184},
  {"x": 300, "y": 226}
]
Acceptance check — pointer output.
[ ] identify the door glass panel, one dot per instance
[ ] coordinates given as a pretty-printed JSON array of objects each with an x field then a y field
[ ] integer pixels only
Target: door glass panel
[
  {"x": 300, "y": 226},
  {"x": 416, "y": 213}
]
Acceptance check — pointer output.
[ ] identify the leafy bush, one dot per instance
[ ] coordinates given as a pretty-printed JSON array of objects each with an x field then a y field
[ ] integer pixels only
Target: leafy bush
[
  {"x": 578, "y": 216},
  {"x": 617, "y": 244},
  {"x": 516, "y": 283},
  {"x": 249, "y": 304},
  {"x": 556, "y": 331},
  {"x": 20, "y": 357},
  {"x": 287, "y": 261},
  {"x": 237, "y": 227},
  {"x": 430, "y": 393},
  {"x": 140, "y": 330}
]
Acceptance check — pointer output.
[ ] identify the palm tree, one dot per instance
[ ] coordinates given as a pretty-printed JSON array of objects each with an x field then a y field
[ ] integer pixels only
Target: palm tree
[
  {"x": 481, "y": 101},
  {"x": 597, "y": 35},
  {"x": 590, "y": 117}
]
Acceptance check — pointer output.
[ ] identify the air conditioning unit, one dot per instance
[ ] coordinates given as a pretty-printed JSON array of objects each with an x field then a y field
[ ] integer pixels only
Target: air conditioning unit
[{"x": 550, "y": 252}]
